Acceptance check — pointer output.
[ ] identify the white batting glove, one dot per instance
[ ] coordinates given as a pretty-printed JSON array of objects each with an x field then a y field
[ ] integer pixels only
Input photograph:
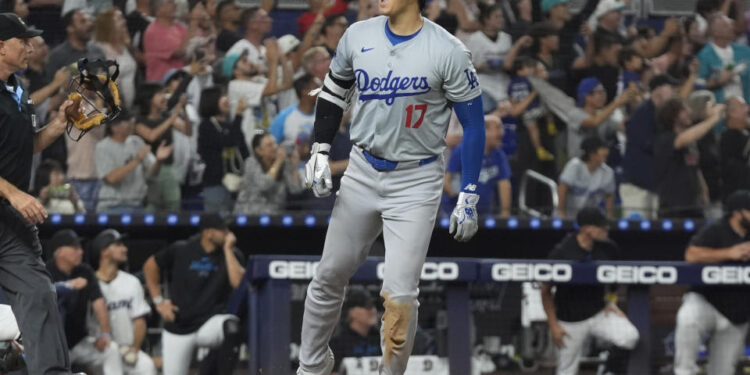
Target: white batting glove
[
  {"x": 317, "y": 170},
  {"x": 464, "y": 217}
]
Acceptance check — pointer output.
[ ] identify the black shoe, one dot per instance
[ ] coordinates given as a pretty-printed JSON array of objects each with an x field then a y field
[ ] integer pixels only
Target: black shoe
[{"x": 11, "y": 356}]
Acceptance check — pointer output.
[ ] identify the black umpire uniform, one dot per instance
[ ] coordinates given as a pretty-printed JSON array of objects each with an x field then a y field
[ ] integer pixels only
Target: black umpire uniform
[{"x": 23, "y": 276}]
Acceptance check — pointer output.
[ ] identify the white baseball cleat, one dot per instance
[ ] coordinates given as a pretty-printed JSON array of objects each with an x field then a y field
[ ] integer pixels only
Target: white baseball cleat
[{"x": 327, "y": 367}]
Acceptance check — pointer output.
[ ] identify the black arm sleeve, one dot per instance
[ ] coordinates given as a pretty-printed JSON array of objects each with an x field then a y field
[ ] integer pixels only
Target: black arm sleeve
[
  {"x": 181, "y": 89},
  {"x": 328, "y": 115}
]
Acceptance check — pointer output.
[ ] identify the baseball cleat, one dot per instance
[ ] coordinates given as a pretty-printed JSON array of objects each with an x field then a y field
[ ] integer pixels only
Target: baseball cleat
[{"x": 327, "y": 367}]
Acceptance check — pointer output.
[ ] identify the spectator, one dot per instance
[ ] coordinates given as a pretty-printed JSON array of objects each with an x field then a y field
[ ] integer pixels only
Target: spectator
[
  {"x": 596, "y": 118},
  {"x": 603, "y": 64},
  {"x": 681, "y": 188},
  {"x": 111, "y": 35},
  {"x": 716, "y": 314},
  {"x": 126, "y": 305},
  {"x": 82, "y": 172},
  {"x": 577, "y": 313},
  {"x": 66, "y": 267},
  {"x": 632, "y": 67},
  {"x": 568, "y": 28},
  {"x": 494, "y": 178},
  {"x": 156, "y": 125},
  {"x": 545, "y": 47},
  {"x": 587, "y": 181},
  {"x": 675, "y": 61},
  {"x": 137, "y": 22},
  {"x": 359, "y": 335},
  {"x": 607, "y": 17},
  {"x": 708, "y": 148},
  {"x": 249, "y": 84},
  {"x": 124, "y": 163},
  {"x": 523, "y": 11},
  {"x": 56, "y": 195},
  {"x": 735, "y": 153},
  {"x": 257, "y": 24},
  {"x": 639, "y": 188},
  {"x": 297, "y": 120},
  {"x": 229, "y": 18},
  {"x": 489, "y": 49},
  {"x": 18, "y": 7},
  {"x": 333, "y": 29},
  {"x": 323, "y": 7},
  {"x": 723, "y": 64},
  {"x": 39, "y": 85},
  {"x": 78, "y": 28},
  {"x": 204, "y": 270},
  {"x": 270, "y": 174},
  {"x": 222, "y": 146},
  {"x": 316, "y": 61},
  {"x": 526, "y": 106},
  {"x": 164, "y": 41}
]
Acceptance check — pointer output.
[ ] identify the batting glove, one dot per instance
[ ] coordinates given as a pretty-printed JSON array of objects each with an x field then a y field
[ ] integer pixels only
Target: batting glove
[
  {"x": 317, "y": 170},
  {"x": 464, "y": 217}
]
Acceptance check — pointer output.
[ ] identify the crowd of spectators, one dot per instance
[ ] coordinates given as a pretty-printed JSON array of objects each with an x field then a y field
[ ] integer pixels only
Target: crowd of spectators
[{"x": 642, "y": 117}]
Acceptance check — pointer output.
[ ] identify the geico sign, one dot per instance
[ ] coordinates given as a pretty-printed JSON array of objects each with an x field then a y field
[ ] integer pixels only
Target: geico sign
[
  {"x": 532, "y": 272},
  {"x": 725, "y": 275},
  {"x": 636, "y": 274},
  {"x": 294, "y": 270},
  {"x": 431, "y": 271}
]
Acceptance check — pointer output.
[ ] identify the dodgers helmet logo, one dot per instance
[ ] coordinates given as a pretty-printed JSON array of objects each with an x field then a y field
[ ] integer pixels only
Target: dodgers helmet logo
[
  {"x": 389, "y": 88},
  {"x": 472, "y": 78}
]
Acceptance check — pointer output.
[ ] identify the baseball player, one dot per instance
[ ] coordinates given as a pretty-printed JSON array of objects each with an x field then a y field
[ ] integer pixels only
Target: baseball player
[
  {"x": 719, "y": 313},
  {"x": 203, "y": 271},
  {"x": 408, "y": 73},
  {"x": 578, "y": 313},
  {"x": 126, "y": 305},
  {"x": 22, "y": 272}
]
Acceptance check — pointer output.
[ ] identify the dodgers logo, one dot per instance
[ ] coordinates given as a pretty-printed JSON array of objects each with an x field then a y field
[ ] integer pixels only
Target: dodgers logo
[
  {"x": 472, "y": 78},
  {"x": 389, "y": 88}
]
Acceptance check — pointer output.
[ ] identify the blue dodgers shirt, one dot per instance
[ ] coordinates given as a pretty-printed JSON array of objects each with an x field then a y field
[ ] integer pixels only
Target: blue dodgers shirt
[{"x": 495, "y": 168}]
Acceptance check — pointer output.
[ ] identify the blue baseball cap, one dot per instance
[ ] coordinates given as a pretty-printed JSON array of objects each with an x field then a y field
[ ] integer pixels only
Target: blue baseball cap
[
  {"x": 229, "y": 62},
  {"x": 549, "y": 4},
  {"x": 585, "y": 88}
]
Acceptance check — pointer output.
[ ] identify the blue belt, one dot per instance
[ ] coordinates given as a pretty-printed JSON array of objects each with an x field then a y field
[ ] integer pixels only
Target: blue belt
[{"x": 387, "y": 165}]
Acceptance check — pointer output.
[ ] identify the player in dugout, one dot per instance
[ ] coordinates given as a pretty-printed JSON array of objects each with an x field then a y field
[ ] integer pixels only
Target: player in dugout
[
  {"x": 202, "y": 273},
  {"x": 577, "y": 313},
  {"x": 717, "y": 312},
  {"x": 126, "y": 304}
]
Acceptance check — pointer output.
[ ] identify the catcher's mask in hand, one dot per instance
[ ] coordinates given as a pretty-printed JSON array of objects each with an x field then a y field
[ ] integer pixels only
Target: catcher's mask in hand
[{"x": 96, "y": 99}]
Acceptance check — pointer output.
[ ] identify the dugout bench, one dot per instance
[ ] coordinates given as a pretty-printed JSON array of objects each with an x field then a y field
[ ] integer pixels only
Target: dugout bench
[{"x": 268, "y": 279}]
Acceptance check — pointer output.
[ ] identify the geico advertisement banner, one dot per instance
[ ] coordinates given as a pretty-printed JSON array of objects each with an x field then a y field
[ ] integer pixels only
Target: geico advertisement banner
[
  {"x": 305, "y": 270},
  {"x": 417, "y": 365}
]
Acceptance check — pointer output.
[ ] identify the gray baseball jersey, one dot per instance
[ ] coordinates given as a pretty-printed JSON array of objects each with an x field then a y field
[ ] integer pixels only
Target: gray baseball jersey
[{"x": 404, "y": 91}]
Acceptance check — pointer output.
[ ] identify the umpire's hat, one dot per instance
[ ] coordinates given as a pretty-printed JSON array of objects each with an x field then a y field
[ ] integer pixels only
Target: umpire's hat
[{"x": 12, "y": 26}]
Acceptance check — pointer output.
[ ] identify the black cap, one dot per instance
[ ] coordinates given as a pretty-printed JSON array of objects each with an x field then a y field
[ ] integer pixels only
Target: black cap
[
  {"x": 592, "y": 144},
  {"x": 661, "y": 80},
  {"x": 104, "y": 239},
  {"x": 12, "y": 26},
  {"x": 591, "y": 216},
  {"x": 62, "y": 238},
  {"x": 739, "y": 200},
  {"x": 213, "y": 221},
  {"x": 358, "y": 298}
]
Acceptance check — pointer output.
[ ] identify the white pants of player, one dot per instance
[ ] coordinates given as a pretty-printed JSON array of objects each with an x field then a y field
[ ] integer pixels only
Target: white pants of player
[
  {"x": 107, "y": 362},
  {"x": 177, "y": 350},
  {"x": 403, "y": 205},
  {"x": 638, "y": 200},
  {"x": 608, "y": 327},
  {"x": 8, "y": 325},
  {"x": 697, "y": 319}
]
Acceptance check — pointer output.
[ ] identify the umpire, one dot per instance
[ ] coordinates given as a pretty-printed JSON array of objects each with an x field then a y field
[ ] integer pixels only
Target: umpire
[{"x": 22, "y": 274}]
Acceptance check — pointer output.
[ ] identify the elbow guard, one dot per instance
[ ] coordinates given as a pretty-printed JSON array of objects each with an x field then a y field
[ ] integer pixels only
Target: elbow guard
[{"x": 333, "y": 100}]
